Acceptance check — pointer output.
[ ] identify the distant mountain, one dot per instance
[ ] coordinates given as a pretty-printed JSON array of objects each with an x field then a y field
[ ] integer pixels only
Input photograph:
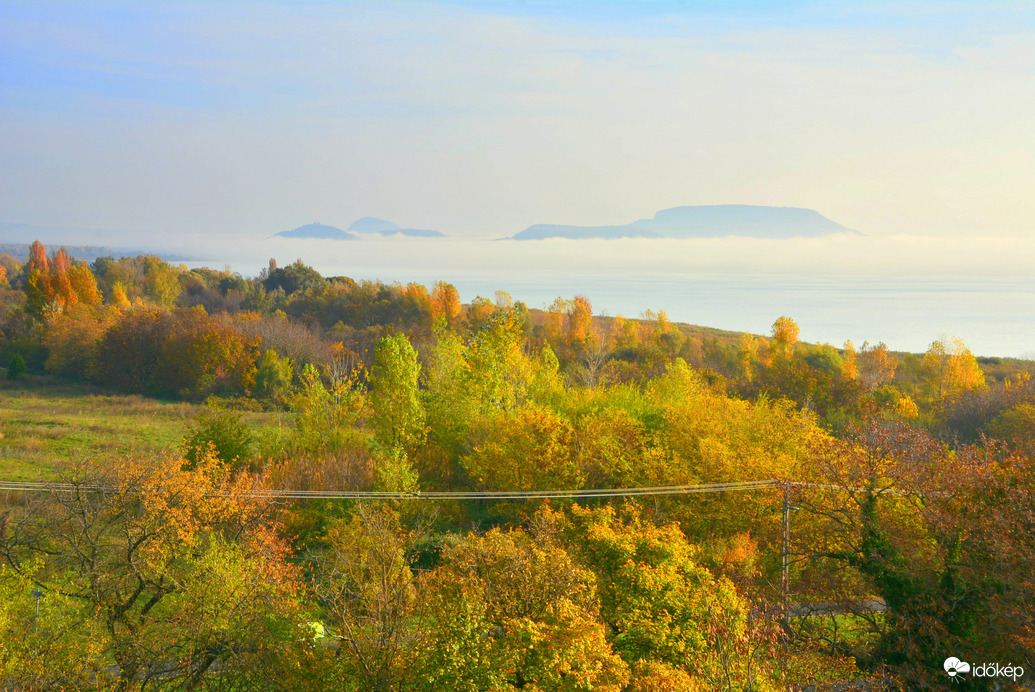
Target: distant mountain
[
  {"x": 317, "y": 230},
  {"x": 711, "y": 221},
  {"x": 370, "y": 224}
]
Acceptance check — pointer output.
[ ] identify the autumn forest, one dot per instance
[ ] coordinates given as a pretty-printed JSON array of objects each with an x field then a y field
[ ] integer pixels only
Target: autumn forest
[{"x": 300, "y": 482}]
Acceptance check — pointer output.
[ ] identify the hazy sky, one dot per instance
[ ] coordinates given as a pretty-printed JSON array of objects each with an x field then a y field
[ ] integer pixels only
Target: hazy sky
[{"x": 483, "y": 118}]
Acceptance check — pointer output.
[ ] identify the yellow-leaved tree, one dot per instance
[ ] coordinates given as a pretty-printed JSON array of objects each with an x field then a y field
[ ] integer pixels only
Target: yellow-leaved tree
[
  {"x": 951, "y": 369},
  {"x": 512, "y": 610}
]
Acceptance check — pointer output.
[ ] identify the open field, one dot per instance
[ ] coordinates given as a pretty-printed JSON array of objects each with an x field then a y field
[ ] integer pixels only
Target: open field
[{"x": 46, "y": 424}]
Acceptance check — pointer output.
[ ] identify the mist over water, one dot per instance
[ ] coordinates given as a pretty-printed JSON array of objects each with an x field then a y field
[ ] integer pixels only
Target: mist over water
[{"x": 906, "y": 291}]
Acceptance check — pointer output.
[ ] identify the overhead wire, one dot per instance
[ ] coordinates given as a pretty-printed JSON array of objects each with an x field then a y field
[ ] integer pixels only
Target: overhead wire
[
  {"x": 293, "y": 494},
  {"x": 36, "y": 486}
]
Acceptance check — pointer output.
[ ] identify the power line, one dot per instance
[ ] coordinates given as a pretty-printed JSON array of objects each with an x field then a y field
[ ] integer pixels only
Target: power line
[
  {"x": 292, "y": 494},
  {"x": 434, "y": 496}
]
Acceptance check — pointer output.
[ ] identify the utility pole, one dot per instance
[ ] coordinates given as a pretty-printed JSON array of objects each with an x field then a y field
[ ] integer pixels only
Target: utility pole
[
  {"x": 785, "y": 565},
  {"x": 36, "y": 622},
  {"x": 785, "y": 554}
]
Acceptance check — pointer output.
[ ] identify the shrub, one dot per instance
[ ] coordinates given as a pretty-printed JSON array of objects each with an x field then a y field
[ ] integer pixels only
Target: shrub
[
  {"x": 273, "y": 375},
  {"x": 32, "y": 353},
  {"x": 222, "y": 434},
  {"x": 16, "y": 367}
]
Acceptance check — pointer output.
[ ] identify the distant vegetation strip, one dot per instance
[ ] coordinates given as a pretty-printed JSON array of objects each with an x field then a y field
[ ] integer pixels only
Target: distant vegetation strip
[{"x": 89, "y": 253}]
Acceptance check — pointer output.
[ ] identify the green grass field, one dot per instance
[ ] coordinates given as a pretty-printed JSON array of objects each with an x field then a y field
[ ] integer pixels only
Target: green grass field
[{"x": 47, "y": 424}]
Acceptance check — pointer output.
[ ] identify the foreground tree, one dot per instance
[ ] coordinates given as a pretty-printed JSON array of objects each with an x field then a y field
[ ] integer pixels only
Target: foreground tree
[
  {"x": 155, "y": 573},
  {"x": 664, "y": 611},
  {"x": 508, "y": 611},
  {"x": 942, "y": 536}
]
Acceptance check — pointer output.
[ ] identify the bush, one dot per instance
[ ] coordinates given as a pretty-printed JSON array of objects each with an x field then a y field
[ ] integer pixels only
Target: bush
[
  {"x": 32, "y": 353},
  {"x": 222, "y": 434},
  {"x": 273, "y": 376},
  {"x": 16, "y": 367}
]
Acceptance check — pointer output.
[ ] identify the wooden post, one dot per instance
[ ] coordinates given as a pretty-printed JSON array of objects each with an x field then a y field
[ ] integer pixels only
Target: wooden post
[{"x": 785, "y": 554}]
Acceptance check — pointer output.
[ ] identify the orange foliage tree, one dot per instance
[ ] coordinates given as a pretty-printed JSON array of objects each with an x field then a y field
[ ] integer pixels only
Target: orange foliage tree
[
  {"x": 580, "y": 318},
  {"x": 937, "y": 533},
  {"x": 57, "y": 284},
  {"x": 445, "y": 302},
  {"x": 876, "y": 365}
]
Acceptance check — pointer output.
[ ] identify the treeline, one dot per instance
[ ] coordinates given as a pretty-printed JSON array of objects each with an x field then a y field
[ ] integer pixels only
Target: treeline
[
  {"x": 911, "y": 480},
  {"x": 81, "y": 321}
]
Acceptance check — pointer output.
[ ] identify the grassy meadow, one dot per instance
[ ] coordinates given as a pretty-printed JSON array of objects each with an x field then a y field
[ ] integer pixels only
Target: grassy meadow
[{"x": 47, "y": 424}]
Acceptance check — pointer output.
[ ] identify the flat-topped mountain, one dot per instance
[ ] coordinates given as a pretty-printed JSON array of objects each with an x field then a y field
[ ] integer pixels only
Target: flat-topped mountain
[{"x": 710, "y": 221}]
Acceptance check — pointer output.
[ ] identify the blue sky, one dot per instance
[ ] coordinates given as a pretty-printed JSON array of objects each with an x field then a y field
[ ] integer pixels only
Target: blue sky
[{"x": 483, "y": 118}]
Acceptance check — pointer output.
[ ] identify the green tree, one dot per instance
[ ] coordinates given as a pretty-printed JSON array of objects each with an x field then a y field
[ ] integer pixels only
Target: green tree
[
  {"x": 294, "y": 278},
  {"x": 162, "y": 281},
  {"x": 16, "y": 369},
  {"x": 367, "y": 589},
  {"x": 398, "y": 415},
  {"x": 220, "y": 433},
  {"x": 327, "y": 419},
  {"x": 273, "y": 375},
  {"x": 530, "y": 449}
]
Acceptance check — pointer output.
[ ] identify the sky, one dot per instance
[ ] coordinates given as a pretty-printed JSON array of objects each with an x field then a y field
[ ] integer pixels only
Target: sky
[{"x": 481, "y": 118}]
